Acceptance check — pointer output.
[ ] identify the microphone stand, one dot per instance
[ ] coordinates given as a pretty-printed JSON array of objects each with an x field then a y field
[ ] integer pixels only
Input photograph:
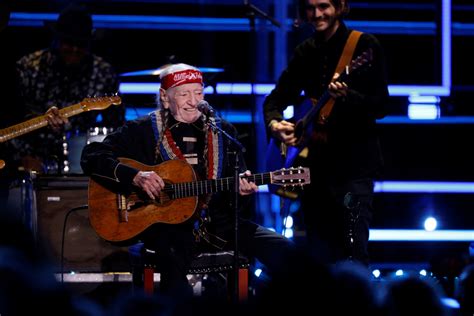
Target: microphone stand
[
  {"x": 252, "y": 11},
  {"x": 239, "y": 149}
]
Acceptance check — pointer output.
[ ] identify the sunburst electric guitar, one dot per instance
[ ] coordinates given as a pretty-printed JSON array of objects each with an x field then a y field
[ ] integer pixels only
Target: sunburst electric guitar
[
  {"x": 88, "y": 104},
  {"x": 119, "y": 216}
]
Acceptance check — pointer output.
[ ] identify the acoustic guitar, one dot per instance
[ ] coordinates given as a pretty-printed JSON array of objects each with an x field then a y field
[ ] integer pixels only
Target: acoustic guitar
[
  {"x": 87, "y": 104},
  {"x": 281, "y": 156},
  {"x": 119, "y": 216}
]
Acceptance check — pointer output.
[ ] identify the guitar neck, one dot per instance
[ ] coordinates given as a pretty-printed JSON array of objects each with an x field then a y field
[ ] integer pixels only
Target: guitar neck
[
  {"x": 186, "y": 189},
  {"x": 36, "y": 123},
  {"x": 309, "y": 117}
]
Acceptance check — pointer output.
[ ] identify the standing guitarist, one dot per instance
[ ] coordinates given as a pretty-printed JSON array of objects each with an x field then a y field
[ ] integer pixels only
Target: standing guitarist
[
  {"x": 179, "y": 130},
  {"x": 341, "y": 147},
  {"x": 55, "y": 77}
]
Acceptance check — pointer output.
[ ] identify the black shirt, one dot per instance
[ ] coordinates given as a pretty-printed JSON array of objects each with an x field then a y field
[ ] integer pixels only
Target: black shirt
[{"x": 352, "y": 150}]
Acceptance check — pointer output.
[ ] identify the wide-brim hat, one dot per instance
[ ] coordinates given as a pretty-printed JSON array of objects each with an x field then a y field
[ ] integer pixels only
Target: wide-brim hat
[{"x": 74, "y": 24}]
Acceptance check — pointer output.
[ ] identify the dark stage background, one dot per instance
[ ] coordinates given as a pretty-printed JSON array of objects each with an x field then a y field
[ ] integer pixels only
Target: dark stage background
[{"x": 411, "y": 34}]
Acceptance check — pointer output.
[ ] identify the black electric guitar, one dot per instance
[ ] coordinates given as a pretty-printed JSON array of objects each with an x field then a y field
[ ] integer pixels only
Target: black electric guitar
[{"x": 281, "y": 156}]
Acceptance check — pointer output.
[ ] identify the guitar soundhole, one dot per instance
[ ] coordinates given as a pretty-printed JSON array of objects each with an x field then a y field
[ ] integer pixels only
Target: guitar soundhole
[
  {"x": 163, "y": 199},
  {"x": 138, "y": 200}
]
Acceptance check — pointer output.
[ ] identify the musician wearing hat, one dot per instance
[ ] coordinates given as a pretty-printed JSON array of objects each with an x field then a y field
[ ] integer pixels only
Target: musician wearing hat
[
  {"x": 62, "y": 75},
  {"x": 180, "y": 129}
]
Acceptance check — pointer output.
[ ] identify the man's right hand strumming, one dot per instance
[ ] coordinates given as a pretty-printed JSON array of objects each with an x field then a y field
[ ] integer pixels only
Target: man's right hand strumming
[{"x": 284, "y": 131}]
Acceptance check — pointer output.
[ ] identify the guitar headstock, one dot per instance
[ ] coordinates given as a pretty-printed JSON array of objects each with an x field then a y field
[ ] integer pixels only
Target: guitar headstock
[
  {"x": 360, "y": 61},
  {"x": 363, "y": 59},
  {"x": 100, "y": 103},
  {"x": 291, "y": 177}
]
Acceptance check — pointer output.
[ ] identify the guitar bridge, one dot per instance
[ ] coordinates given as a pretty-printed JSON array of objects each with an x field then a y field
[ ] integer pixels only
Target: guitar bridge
[{"x": 123, "y": 208}]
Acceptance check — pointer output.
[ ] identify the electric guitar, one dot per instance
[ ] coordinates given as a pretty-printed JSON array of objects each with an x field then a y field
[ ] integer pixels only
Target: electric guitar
[
  {"x": 87, "y": 104},
  {"x": 119, "y": 216},
  {"x": 281, "y": 156}
]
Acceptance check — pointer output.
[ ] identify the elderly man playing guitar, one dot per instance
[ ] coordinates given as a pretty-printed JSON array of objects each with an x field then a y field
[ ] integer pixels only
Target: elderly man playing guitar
[{"x": 179, "y": 139}]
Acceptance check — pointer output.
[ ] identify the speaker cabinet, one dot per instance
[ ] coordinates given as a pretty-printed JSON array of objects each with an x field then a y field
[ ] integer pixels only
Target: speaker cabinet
[{"x": 84, "y": 250}]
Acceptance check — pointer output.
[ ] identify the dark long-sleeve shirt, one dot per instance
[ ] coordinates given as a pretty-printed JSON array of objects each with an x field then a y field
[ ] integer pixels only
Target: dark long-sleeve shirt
[
  {"x": 352, "y": 150},
  {"x": 136, "y": 140}
]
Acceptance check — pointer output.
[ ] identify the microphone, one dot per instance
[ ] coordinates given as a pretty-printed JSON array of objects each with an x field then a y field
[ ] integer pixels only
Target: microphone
[{"x": 205, "y": 108}]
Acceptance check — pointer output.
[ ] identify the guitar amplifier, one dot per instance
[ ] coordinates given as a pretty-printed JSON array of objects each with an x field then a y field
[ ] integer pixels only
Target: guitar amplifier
[{"x": 84, "y": 250}]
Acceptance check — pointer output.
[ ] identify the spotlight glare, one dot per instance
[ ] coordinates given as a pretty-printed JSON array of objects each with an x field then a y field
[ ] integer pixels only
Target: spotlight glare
[
  {"x": 288, "y": 222},
  {"x": 430, "y": 224},
  {"x": 289, "y": 112},
  {"x": 399, "y": 272},
  {"x": 450, "y": 302},
  {"x": 376, "y": 273},
  {"x": 258, "y": 272}
]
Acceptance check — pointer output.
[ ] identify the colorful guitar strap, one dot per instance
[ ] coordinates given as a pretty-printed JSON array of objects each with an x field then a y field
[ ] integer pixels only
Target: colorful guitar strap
[{"x": 166, "y": 146}]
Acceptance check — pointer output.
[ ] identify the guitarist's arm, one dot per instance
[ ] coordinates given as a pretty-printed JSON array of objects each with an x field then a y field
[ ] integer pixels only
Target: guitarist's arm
[
  {"x": 287, "y": 92},
  {"x": 101, "y": 159},
  {"x": 283, "y": 131}
]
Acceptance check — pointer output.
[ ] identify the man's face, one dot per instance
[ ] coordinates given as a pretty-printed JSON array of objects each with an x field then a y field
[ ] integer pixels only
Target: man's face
[
  {"x": 183, "y": 100},
  {"x": 322, "y": 15},
  {"x": 72, "y": 54}
]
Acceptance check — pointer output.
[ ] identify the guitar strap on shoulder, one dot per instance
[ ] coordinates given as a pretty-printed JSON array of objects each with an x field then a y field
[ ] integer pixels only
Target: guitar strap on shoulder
[{"x": 344, "y": 60}]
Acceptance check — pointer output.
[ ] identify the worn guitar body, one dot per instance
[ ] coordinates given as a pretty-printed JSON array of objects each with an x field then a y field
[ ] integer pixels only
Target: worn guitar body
[
  {"x": 115, "y": 224},
  {"x": 117, "y": 215}
]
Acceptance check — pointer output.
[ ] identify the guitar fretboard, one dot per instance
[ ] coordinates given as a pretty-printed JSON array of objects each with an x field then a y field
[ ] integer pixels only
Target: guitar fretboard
[
  {"x": 186, "y": 189},
  {"x": 309, "y": 117},
  {"x": 36, "y": 123}
]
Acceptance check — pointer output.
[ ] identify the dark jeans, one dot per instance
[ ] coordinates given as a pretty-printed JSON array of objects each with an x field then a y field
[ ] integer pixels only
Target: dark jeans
[
  {"x": 176, "y": 247},
  {"x": 337, "y": 219}
]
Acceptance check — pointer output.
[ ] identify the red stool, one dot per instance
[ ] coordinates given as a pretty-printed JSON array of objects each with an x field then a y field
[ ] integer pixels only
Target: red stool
[{"x": 144, "y": 268}]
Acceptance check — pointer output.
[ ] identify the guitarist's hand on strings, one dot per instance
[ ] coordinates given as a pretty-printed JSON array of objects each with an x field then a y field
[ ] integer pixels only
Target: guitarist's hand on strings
[
  {"x": 55, "y": 120},
  {"x": 246, "y": 187},
  {"x": 284, "y": 131},
  {"x": 336, "y": 88},
  {"x": 149, "y": 182}
]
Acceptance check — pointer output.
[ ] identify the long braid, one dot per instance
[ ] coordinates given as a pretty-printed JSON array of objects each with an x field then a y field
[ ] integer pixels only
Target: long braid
[
  {"x": 205, "y": 127},
  {"x": 164, "y": 118}
]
